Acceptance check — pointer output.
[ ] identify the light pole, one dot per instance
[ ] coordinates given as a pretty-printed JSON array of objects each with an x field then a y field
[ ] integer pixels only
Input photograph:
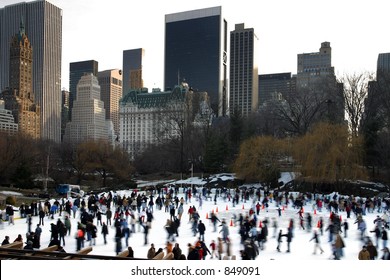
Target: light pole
[
  {"x": 181, "y": 147},
  {"x": 47, "y": 170}
]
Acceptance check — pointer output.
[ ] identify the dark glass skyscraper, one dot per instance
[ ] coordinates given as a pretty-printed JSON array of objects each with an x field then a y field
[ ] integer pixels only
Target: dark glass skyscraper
[
  {"x": 196, "y": 51},
  {"x": 275, "y": 86},
  {"x": 43, "y": 27},
  {"x": 383, "y": 66}
]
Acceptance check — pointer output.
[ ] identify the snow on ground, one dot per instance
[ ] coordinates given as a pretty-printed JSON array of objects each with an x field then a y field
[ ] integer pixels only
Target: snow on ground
[{"x": 301, "y": 246}]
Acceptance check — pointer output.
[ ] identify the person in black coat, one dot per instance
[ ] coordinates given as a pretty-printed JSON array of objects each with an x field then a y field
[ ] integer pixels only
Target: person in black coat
[
  {"x": 279, "y": 239},
  {"x": 288, "y": 235},
  {"x": 41, "y": 217},
  {"x": 378, "y": 235},
  {"x": 118, "y": 239},
  {"x": 244, "y": 255},
  {"x": 54, "y": 232},
  {"x": 193, "y": 253},
  {"x": 131, "y": 252},
  {"x": 177, "y": 252},
  {"x": 104, "y": 232},
  {"x": 146, "y": 232},
  {"x": 384, "y": 237},
  {"x": 386, "y": 254},
  {"x": 5, "y": 241},
  {"x": 201, "y": 230}
]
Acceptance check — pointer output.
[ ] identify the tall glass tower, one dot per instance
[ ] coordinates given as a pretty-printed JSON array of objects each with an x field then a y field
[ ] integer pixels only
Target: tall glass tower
[
  {"x": 196, "y": 51},
  {"x": 383, "y": 66},
  {"x": 43, "y": 26}
]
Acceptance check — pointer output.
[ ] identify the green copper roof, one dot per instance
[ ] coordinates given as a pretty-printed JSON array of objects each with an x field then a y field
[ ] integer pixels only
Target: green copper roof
[{"x": 155, "y": 99}]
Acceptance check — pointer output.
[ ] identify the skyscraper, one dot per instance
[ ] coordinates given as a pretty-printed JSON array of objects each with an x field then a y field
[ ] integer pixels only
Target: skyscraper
[
  {"x": 314, "y": 65},
  {"x": 110, "y": 82},
  {"x": 383, "y": 66},
  {"x": 196, "y": 51},
  {"x": 275, "y": 86},
  {"x": 76, "y": 71},
  {"x": 43, "y": 26},
  {"x": 7, "y": 121},
  {"x": 316, "y": 76},
  {"x": 243, "y": 90},
  {"x": 132, "y": 70},
  {"x": 88, "y": 115},
  {"x": 19, "y": 96}
]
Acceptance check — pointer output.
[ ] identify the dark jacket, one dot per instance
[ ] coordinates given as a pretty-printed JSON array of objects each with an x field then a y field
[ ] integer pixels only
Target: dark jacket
[
  {"x": 201, "y": 228},
  {"x": 373, "y": 251},
  {"x": 288, "y": 235}
]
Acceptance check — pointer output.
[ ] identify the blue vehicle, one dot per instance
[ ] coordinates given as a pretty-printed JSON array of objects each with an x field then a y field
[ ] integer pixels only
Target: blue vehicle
[{"x": 69, "y": 190}]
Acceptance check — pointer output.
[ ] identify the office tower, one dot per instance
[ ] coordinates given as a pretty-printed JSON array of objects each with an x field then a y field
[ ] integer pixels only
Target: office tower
[
  {"x": 383, "y": 66},
  {"x": 243, "y": 90},
  {"x": 43, "y": 26},
  {"x": 110, "y": 82},
  {"x": 196, "y": 51},
  {"x": 64, "y": 111},
  {"x": 275, "y": 87},
  {"x": 377, "y": 109},
  {"x": 19, "y": 96},
  {"x": 314, "y": 65},
  {"x": 132, "y": 70},
  {"x": 76, "y": 71},
  {"x": 88, "y": 114},
  {"x": 7, "y": 121},
  {"x": 316, "y": 76}
]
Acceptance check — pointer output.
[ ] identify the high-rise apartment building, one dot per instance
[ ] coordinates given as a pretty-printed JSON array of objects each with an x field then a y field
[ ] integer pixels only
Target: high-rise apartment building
[
  {"x": 314, "y": 65},
  {"x": 76, "y": 71},
  {"x": 19, "y": 97},
  {"x": 88, "y": 114},
  {"x": 110, "y": 82},
  {"x": 196, "y": 51},
  {"x": 132, "y": 70},
  {"x": 316, "y": 75},
  {"x": 43, "y": 26},
  {"x": 275, "y": 86},
  {"x": 243, "y": 90}
]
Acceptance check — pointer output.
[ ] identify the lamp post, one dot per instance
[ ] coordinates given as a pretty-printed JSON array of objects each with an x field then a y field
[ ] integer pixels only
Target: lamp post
[
  {"x": 181, "y": 147},
  {"x": 47, "y": 170}
]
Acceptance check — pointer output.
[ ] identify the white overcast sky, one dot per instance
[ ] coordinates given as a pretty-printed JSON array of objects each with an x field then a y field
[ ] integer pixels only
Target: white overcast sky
[{"x": 101, "y": 30}]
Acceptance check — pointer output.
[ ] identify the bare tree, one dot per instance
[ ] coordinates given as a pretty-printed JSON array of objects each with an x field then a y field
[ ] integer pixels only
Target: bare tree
[
  {"x": 355, "y": 89},
  {"x": 317, "y": 101}
]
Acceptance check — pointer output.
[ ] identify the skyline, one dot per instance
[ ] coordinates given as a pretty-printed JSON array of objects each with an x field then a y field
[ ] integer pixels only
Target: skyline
[{"x": 355, "y": 29}]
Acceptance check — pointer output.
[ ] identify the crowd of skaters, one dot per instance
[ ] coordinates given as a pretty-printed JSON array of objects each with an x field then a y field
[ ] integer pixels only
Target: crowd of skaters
[{"x": 133, "y": 214}]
